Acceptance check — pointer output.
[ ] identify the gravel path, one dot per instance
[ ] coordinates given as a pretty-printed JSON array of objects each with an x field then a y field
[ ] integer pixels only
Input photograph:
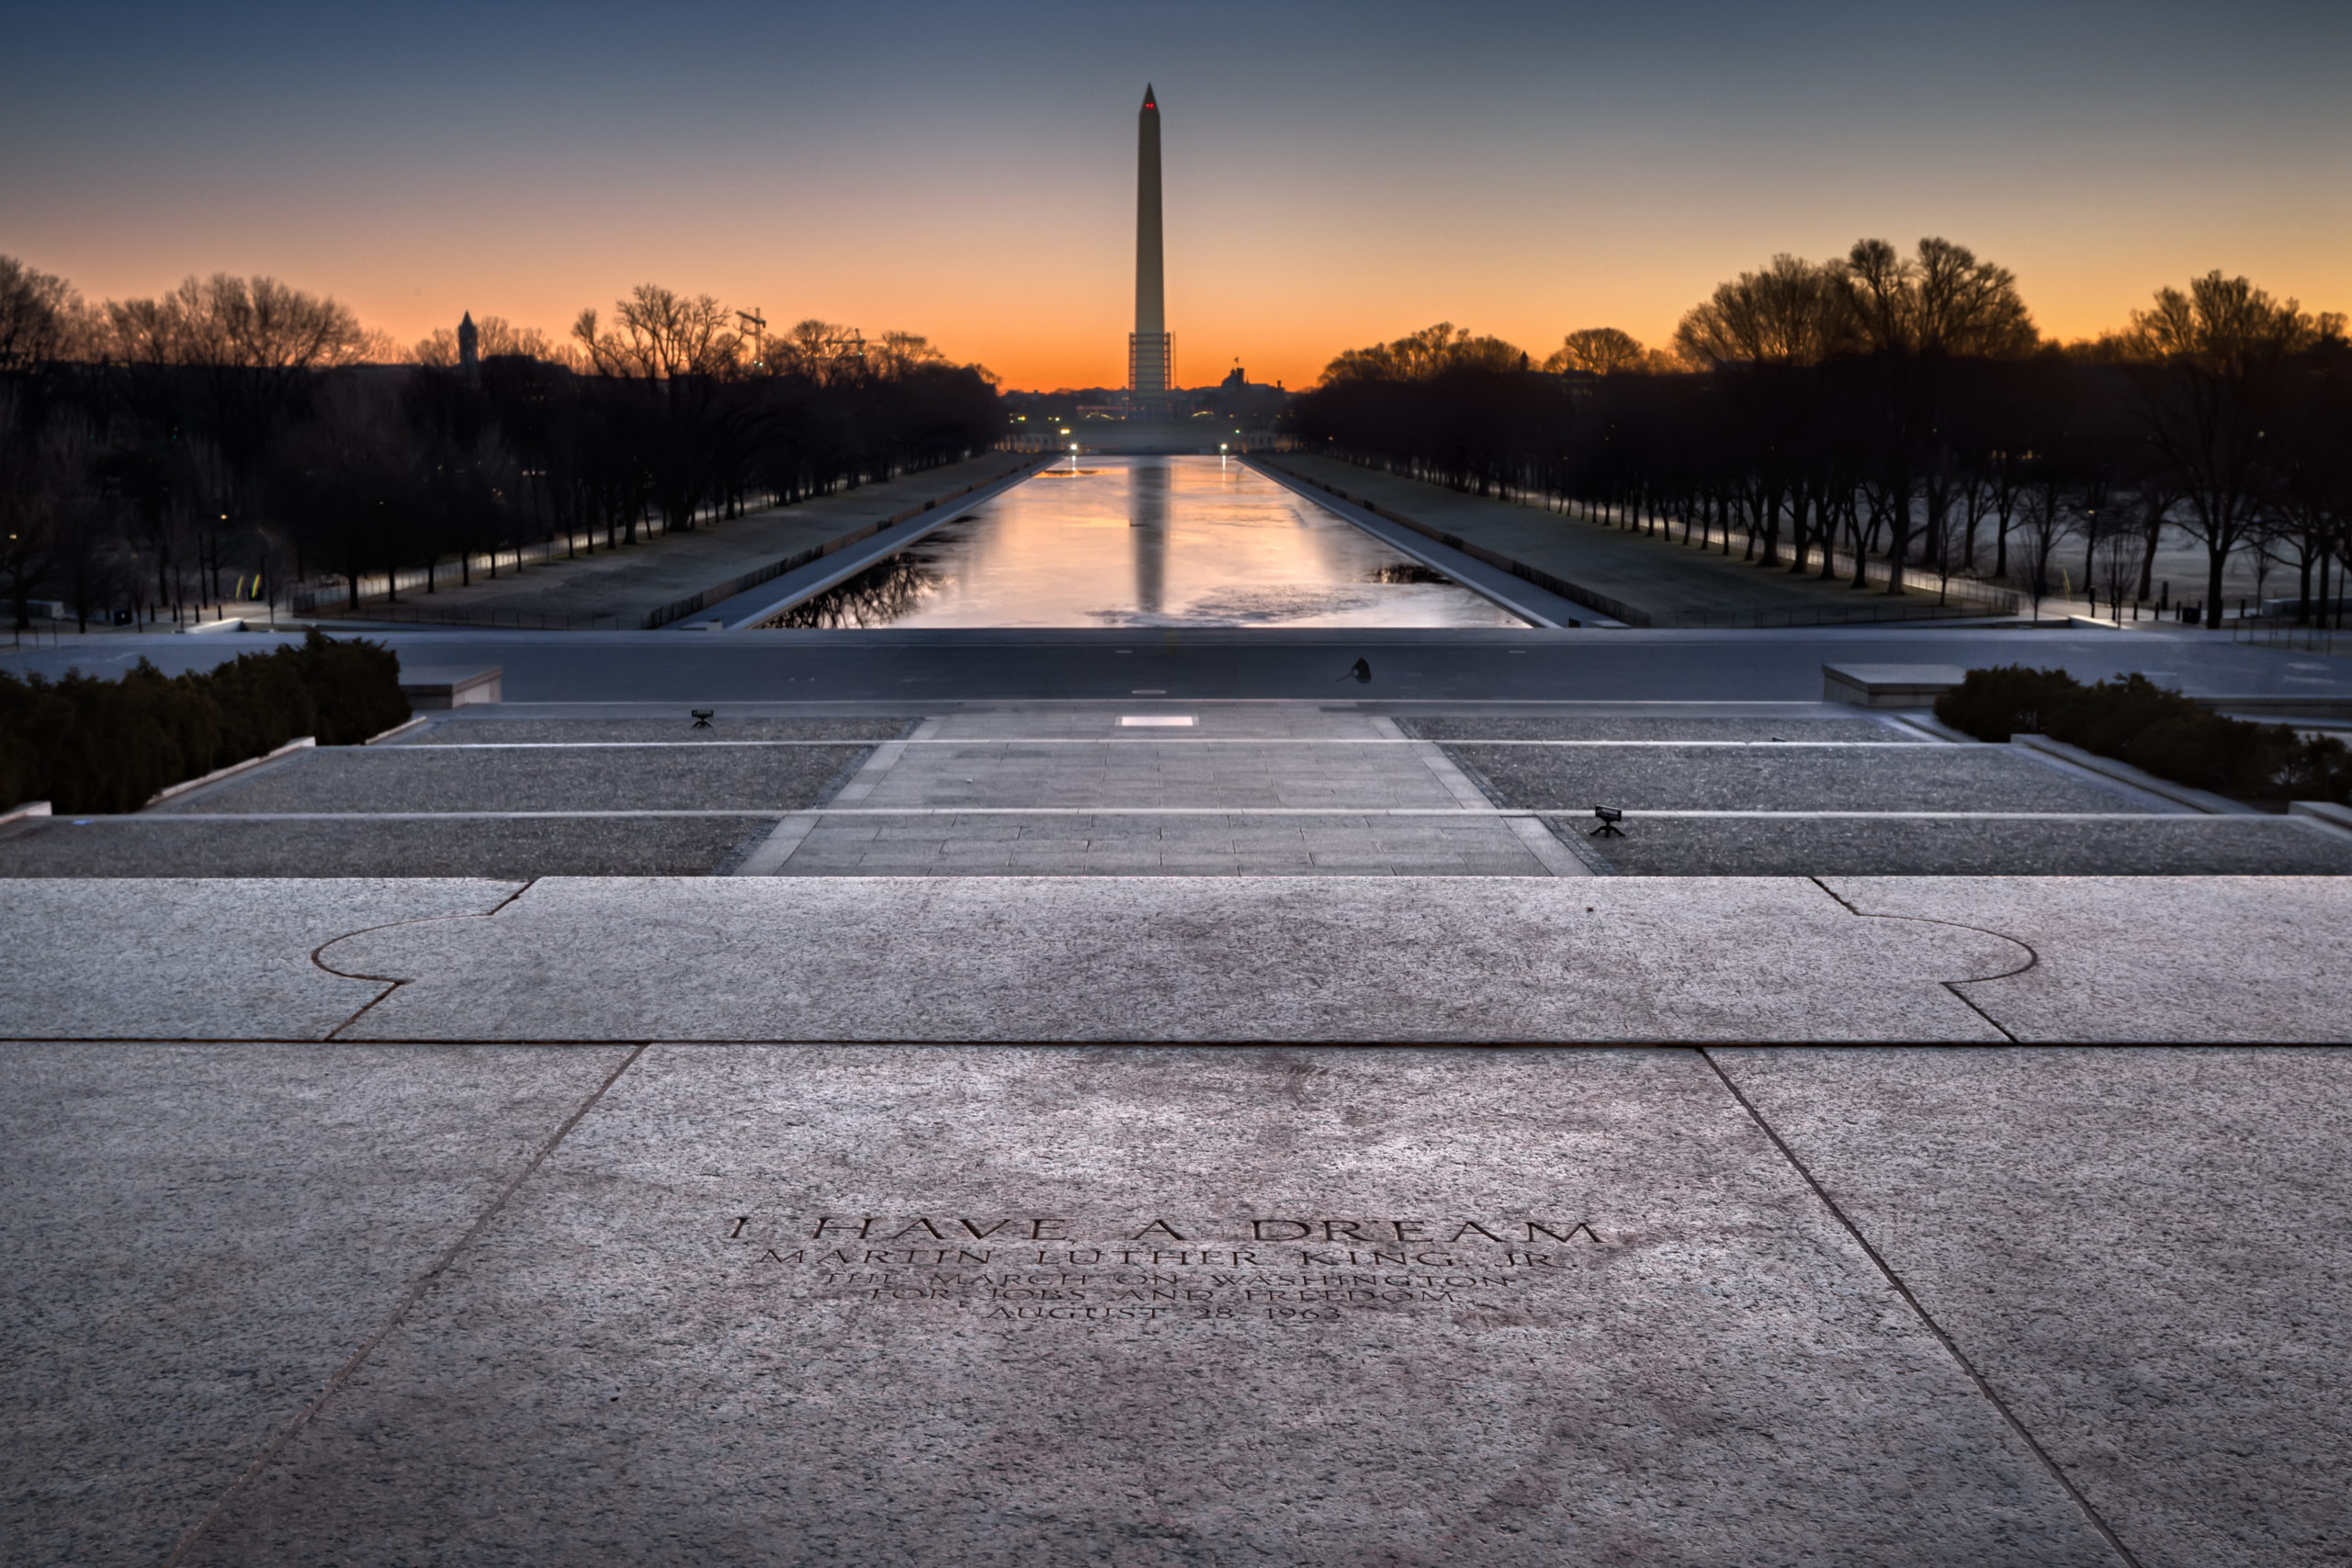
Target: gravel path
[
  {"x": 2152, "y": 846},
  {"x": 511, "y": 847},
  {"x": 1861, "y": 778},
  {"x": 398, "y": 778}
]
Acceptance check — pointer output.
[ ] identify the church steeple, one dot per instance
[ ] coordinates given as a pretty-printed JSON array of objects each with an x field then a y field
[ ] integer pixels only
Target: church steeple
[{"x": 469, "y": 345}]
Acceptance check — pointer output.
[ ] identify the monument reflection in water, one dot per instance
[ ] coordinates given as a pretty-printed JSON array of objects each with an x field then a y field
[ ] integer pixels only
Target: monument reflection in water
[{"x": 1150, "y": 542}]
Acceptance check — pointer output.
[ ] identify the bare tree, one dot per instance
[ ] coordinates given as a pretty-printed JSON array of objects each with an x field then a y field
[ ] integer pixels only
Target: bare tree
[
  {"x": 657, "y": 334},
  {"x": 2110, "y": 527},
  {"x": 254, "y": 326},
  {"x": 2215, "y": 360},
  {"x": 818, "y": 350},
  {"x": 353, "y": 474},
  {"x": 1961, "y": 306},
  {"x": 1914, "y": 318},
  {"x": 1599, "y": 350},
  {"x": 255, "y": 347},
  {"x": 25, "y": 546},
  {"x": 2044, "y": 520},
  {"x": 40, "y": 316},
  {"x": 74, "y": 519},
  {"x": 902, "y": 352},
  {"x": 1794, "y": 312},
  {"x": 1417, "y": 356},
  {"x": 2116, "y": 561},
  {"x": 2313, "y": 464}
]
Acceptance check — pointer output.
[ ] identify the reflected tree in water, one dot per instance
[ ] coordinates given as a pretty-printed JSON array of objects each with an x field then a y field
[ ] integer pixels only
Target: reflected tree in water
[
  {"x": 874, "y": 597},
  {"x": 1408, "y": 572}
]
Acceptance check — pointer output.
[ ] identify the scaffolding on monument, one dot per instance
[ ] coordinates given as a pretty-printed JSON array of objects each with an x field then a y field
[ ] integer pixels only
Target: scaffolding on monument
[{"x": 1151, "y": 365}]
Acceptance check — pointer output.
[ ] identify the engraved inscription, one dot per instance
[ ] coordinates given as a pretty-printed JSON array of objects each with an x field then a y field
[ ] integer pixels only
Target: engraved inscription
[{"x": 1291, "y": 1271}]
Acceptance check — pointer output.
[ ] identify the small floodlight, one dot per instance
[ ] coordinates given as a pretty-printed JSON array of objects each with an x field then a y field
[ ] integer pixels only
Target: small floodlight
[
  {"x": 702, "y": 716},
  {"x": 1610, "y": 817}
]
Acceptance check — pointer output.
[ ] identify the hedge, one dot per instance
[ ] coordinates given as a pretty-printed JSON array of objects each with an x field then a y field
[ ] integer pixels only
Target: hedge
[
  {"x": 2139, "y": 722},
  {"x": 92, "y": 745}
]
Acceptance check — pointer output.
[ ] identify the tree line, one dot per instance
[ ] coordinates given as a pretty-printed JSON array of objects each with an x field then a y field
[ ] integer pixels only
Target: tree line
[
  {"x": 1901, "y": 409},
  {"x": 237, "y": 435}
]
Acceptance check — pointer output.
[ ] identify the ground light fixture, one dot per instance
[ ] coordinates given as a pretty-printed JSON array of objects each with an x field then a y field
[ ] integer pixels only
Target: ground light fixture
[
  {"x": 701, "y": 717},
  {"x": 1610, "y": 817}
]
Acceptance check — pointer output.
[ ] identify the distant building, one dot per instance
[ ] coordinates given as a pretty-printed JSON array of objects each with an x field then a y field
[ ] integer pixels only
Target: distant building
[{"x": 469, "y": 347}]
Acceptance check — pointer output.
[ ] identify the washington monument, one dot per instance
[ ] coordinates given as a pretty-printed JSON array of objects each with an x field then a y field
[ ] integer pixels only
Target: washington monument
[{"x": 1151, "y": 347}]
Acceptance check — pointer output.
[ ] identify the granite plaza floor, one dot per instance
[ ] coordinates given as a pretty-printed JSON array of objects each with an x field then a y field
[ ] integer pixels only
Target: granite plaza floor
[
  {"x": 1155, "y": 788},
  {"x": 693, "y": 1304},
  {"x": 1283, "y": 1136}
]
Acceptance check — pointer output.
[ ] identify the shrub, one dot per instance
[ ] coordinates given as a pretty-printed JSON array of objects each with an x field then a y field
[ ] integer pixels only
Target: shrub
[
  {"x": 1993, "y": 705},
  {"x": 357, "y": 685},
  {"x": 2166, "y": 734},
  {"x": 108, "y": 746},
  {"x": 2318, "y": 769},
  {"x": 2205, "y": 751},
  {"x": 2104, "y": 717}
]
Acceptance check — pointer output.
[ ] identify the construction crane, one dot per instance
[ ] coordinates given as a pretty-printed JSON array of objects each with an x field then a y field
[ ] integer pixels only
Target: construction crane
[
  {"x": 849, "y": 349},
  {"x": 755, "y": 327}
]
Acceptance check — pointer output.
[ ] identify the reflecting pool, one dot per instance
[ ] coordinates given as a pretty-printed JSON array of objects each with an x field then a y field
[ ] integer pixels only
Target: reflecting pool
[{"x": 1180, "y": 541}]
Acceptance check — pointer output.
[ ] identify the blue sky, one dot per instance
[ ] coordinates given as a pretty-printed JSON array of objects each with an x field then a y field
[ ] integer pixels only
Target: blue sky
[{"x": 1335, "y": 173}]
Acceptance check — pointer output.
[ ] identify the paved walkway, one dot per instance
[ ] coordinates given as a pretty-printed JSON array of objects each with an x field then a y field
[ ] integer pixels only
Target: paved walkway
[
  {"x": 1269, "y": 790},
  {"x": 1165, "y": 957},
  {"x": 625, "y": 584},
  {"x": 1153, "y": 787},
  {"x": 1667, "y": 582},
  {"x": 941, "y": 1220}
]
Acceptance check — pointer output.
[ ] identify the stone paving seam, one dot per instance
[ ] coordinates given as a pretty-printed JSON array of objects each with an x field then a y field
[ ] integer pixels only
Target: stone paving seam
[
  {"x": 2032, "y": 957},
  {"x": 1991, "y": 1395},
  {"x": 391, "y": 983},
  {"x": 409, "y": 1298}
]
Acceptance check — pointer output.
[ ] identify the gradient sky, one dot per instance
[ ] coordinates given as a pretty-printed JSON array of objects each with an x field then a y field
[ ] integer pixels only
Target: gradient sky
[{"x": 1336, "y": 174}]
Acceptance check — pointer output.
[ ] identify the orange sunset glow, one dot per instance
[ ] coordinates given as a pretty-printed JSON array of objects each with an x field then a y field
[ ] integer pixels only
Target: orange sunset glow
[{"x": 1583, "y": 176}]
